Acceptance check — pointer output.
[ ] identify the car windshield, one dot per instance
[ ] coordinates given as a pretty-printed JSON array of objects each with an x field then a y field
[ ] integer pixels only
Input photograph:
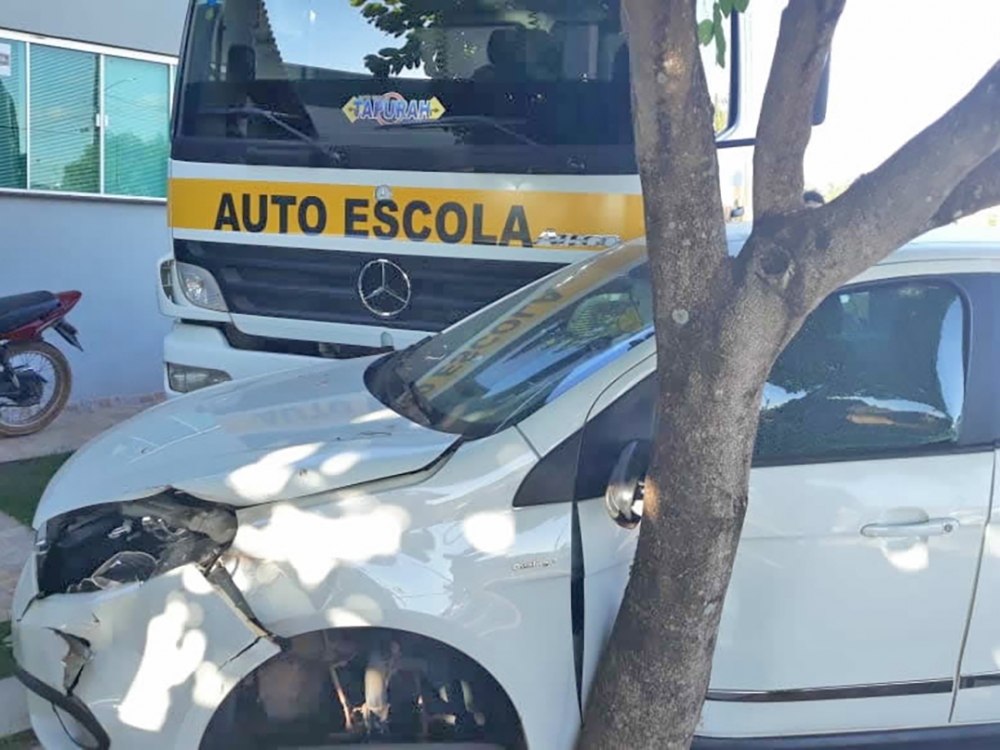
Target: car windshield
[
  {"x": 501, "y": 364},
  {"x": 537, "y": 86}
]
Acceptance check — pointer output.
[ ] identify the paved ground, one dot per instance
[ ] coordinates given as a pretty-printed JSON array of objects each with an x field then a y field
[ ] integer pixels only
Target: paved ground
[
  {"x": 13, "y": 708},
  {"x": 16, "y": 542},
  {"x": 78, "y": 424}
]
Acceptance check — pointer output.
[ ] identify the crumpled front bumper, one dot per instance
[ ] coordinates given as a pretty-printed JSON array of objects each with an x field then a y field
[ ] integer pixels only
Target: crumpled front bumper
[{"x": 144, "y": 665}]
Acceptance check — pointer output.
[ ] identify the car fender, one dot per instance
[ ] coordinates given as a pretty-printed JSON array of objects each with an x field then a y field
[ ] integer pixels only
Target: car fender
[{"x": 443, "y": 555}]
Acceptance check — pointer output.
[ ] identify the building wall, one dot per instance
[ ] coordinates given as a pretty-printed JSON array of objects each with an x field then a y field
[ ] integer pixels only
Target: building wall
[
  {"x": 104, "y": 247},
  {"x": 146, "y": 25},
  {"x": 107, "y": 250}
]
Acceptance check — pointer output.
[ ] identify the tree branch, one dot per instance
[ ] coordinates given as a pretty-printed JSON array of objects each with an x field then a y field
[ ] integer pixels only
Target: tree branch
[
  {"x": 785, "y": 125},
  {"x": 934, "y": 175},
  {"x": 675, "y": 144},
  {"x": 979, "y": 190}
]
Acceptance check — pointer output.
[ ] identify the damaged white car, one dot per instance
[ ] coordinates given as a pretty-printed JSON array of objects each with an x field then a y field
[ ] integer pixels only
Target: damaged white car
[{"x": 418, "y": 547}]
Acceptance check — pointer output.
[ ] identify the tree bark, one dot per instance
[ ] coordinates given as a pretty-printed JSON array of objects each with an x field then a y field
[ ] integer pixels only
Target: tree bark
[{"x": 721, "y": 322}]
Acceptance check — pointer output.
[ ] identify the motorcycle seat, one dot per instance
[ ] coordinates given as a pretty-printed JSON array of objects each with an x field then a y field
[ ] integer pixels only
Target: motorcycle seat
[{"x": 22, "y": 309}]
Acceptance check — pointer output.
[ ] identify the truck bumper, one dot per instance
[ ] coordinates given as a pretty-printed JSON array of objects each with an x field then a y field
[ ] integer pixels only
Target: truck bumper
[{"x": 206, "y": 347}]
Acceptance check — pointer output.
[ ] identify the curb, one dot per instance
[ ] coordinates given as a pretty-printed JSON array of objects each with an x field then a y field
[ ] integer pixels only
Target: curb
[{"x": 13, "y": 708}]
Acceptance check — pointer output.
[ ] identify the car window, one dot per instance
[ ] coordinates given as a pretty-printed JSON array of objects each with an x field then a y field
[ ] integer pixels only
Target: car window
[{"x": 873, "y": 369}]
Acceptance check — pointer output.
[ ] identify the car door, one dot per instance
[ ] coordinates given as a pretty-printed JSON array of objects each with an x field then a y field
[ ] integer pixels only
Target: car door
[
  {"x": 868, "y": 498},
  {"x": 871, "y": 487}
]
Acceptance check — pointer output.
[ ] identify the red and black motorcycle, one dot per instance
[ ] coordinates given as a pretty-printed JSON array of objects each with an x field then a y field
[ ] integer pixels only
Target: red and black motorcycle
[{"x": 35, "y": 378}]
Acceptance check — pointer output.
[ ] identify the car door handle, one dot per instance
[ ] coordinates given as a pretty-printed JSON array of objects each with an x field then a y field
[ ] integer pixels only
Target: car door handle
[{"x": 930, "y": 527}]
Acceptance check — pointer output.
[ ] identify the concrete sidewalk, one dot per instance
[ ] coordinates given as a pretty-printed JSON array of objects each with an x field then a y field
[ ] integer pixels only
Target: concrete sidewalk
[
  {"x": 13, "y": 708},
  {"x": 74, "y": 427},
  {"x": 16, "y": 543}
]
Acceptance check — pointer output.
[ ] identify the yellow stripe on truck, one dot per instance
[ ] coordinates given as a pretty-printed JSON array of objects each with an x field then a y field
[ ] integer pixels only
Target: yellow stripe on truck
[
  {"x": 534, "y": 311},
  {"x": 483, "y": 217}
]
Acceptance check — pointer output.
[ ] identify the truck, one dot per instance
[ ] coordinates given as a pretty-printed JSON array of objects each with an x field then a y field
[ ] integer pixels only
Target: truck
[{"x": 348, "y": 178}]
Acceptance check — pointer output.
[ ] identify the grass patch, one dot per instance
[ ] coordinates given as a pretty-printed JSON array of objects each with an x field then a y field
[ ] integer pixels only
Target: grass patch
[
  {"x": 19, "y": 741},
  {"x": 6, "y": 657},
  {"x": 22, "y": 484}
]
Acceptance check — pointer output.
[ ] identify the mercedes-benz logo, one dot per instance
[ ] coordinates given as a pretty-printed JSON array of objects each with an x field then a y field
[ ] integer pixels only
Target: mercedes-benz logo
[{"x": 384, "y": 288}]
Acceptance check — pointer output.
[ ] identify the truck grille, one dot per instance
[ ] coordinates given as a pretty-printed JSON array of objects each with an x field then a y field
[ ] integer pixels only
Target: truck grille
[{"x": 323, "y": 284}]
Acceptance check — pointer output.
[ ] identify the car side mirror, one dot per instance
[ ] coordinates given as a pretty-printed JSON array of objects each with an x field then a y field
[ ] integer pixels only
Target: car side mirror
[{"x": 623, "y": 497}]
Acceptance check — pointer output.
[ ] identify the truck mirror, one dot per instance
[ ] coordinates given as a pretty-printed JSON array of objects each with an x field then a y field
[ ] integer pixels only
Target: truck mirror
[{"x": 819, "y": 106}]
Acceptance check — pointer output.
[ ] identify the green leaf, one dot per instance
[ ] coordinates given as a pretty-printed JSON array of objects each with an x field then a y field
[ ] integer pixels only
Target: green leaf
[
  {"x": 727, "y": 7},
  {"x": 741, "y": 5},
  {"x": 720, "y": 46},
  {"x": 706, "y": 30}
]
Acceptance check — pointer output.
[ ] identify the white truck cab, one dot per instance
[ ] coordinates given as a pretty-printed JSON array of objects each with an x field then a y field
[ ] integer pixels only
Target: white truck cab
[{"x": 415, "y": 547}]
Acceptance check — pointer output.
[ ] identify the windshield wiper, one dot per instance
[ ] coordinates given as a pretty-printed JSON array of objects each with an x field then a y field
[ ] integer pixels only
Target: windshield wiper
[
  {"x": 464, "y": 121},
  {"x": 419, "y": 401},
  {"x": 277, "y": 118}
]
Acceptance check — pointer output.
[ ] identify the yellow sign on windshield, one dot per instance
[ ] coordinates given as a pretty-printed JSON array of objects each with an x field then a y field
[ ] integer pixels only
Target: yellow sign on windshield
[{"x": 393, "y": 108}]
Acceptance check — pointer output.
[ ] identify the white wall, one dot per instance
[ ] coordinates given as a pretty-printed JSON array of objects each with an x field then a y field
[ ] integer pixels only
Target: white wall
[{"x": 148, "y": 25}]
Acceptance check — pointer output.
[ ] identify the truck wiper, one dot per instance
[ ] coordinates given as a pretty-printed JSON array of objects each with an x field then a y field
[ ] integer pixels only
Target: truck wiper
[
  {"x": 464, "y": 121},
  {"x": 277, "y": 118}
]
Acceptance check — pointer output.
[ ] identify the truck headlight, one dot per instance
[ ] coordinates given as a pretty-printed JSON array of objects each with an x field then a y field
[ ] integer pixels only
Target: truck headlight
[
  {"x": 185, "y": 379},
  {"x": 200, "y": 287},
  {"x": 106, "y": 546}
]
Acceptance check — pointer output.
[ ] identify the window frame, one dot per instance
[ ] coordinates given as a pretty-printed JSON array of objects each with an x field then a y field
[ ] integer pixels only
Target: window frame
[{"x": 102, "y": 52}]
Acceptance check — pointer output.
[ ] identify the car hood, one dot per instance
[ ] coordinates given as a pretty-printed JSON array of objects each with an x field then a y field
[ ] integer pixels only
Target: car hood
[{"x": 273, "y": 438}]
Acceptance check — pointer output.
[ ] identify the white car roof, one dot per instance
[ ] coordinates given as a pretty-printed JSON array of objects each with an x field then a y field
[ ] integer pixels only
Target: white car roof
[{"x": 950, "y": 243}]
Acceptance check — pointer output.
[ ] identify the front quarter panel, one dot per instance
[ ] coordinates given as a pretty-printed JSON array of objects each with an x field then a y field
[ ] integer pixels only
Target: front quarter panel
[
  {"x": 445, "y": 556},
  {"x": 163, "y": 655}
]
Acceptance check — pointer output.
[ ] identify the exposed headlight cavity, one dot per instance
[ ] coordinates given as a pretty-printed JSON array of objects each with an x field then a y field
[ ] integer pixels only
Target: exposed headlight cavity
[
  {"x": 200, "y": 287},
  {"x": 106, "y": 546}
]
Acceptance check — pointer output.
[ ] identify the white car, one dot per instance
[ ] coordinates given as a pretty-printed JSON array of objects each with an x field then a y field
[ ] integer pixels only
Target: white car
[{"x": 417, "y": 548}]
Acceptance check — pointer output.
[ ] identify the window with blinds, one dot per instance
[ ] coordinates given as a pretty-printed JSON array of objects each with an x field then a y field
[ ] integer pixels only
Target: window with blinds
[
  {"x": 65, "y": 140},
  {"x": 78, "y": 121},
  {"x": 136, "y": 138},
  {"x": 13, "y": 125}
]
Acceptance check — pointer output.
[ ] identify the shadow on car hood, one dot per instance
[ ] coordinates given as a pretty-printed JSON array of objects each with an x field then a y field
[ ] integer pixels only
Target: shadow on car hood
[{"x": 274, "y": 438}]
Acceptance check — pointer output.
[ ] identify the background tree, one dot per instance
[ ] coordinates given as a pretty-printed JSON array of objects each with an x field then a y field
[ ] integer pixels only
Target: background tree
[{"x": 721, "y": 322}]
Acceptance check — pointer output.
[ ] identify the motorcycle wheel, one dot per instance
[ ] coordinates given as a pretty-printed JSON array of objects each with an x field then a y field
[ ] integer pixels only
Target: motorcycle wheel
[{"x": 51, "y": 364}]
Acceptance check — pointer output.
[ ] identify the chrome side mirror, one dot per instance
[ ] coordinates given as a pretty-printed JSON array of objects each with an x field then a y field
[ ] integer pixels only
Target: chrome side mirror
[{"x": 623, "y": 497}]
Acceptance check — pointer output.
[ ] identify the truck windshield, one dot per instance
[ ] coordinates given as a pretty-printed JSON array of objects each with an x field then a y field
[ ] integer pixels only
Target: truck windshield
[
  {"x": 520, "y": 86},
  {"x": 500, "y": 365}
]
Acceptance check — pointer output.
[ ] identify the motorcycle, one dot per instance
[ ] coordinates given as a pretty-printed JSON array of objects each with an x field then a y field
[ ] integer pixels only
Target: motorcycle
[{"x": 35, "y": 377}]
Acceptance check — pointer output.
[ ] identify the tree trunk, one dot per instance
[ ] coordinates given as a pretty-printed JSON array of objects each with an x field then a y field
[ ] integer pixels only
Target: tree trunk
[{"x": 652, "y": 680}]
